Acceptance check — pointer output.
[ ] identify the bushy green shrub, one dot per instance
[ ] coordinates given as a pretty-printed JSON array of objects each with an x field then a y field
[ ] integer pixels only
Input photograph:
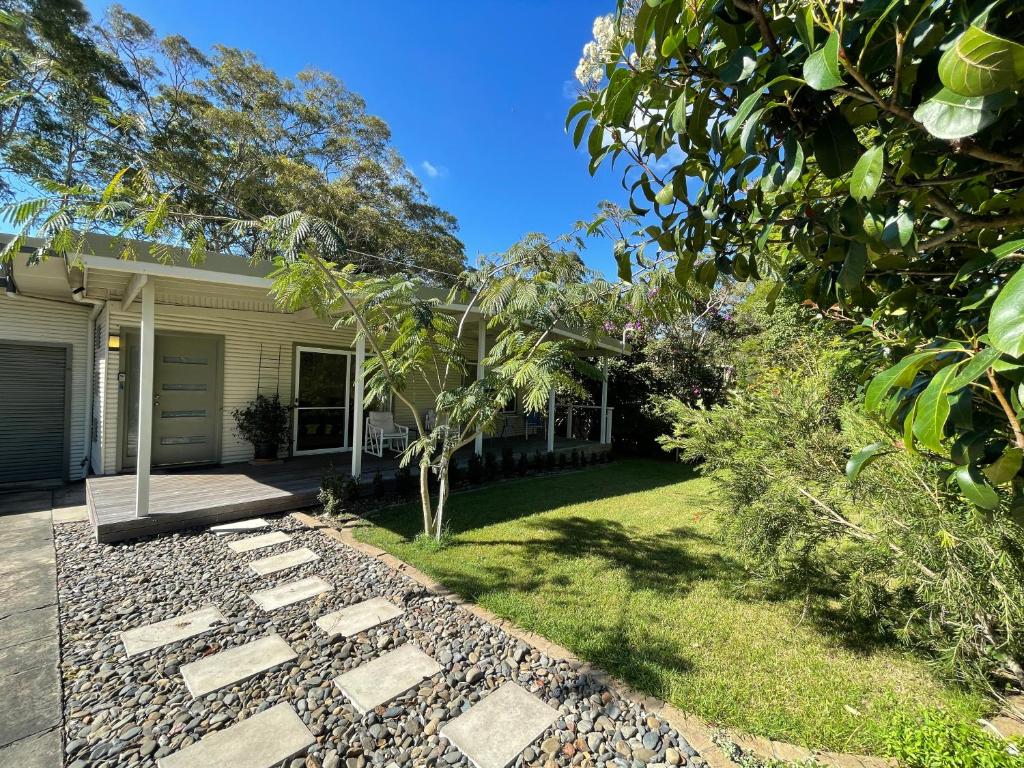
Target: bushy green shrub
[
  {"x": 475, "y": 469},
  {"x": 379, "y": 488},
  {"x": 337, "y": 492},
  {"x": 508, "y": 461},
  {"x": 904, "y": 557},
  {"x": 405, "y": 484},
  {"x": 935, "y": 740},
  {"x": 523, "y": 465},
  {"x": 490, "y": 466}
]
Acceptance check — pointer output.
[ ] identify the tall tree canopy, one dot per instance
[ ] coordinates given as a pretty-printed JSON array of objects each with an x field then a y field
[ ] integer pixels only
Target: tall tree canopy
[
  {"x": 218, "y": 134},
  {"x": 868, "y": 154}
]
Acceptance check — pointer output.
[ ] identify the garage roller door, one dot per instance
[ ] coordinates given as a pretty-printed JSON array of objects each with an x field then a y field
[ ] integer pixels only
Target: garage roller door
[{"x": 33, "y": 413}]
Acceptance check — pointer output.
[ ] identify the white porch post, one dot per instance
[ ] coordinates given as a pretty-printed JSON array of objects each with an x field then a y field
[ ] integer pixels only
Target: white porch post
[
  {"x": 357, "y": 410},
  {"x": 604, "y": 401},
  {"x": 551, "y": 421},
  {"x": 145, "y": 433},
  {"x": 481, "y": 351}
]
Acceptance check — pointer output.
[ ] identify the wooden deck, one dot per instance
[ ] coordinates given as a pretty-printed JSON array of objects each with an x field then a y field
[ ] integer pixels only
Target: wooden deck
[{"x": 191, "y": 498}]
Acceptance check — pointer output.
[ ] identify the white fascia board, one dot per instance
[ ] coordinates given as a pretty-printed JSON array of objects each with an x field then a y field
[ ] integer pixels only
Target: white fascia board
[{"x": 173, "y": 270}]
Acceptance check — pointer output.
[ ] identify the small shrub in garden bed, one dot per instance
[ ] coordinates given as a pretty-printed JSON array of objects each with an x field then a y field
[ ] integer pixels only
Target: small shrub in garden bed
[
  {"x": 538, "y": 461},
  {"x": 490, "y": 466},
  {"x": 379, "y": 487},
  {"x": 935, "y": 740},
  {"x": 549, "y": 461},
  {"x": 475, "y": 470},
  {"x": 523, "y": 466},
  {"x": 405, "y": 484},
  {"x": 508, "y": 461}
]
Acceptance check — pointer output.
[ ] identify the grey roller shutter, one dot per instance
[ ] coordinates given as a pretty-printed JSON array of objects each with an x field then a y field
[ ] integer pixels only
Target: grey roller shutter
[{"x": 33, "y": 413}]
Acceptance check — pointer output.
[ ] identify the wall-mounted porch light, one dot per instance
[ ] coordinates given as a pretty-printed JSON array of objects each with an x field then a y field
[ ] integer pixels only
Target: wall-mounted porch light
[{"x": 114, "y": 341}]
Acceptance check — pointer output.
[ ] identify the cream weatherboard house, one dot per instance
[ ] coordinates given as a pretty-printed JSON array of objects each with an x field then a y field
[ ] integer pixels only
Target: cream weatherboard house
[{"x": 132, "y": 369}]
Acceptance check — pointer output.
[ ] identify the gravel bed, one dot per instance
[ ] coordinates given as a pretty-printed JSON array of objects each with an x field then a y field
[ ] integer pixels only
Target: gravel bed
[{"x": 131, "y": 712}]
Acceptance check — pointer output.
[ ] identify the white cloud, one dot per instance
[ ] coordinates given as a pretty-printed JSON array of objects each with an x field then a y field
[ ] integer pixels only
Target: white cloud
[{"x": 433, "y": 171}]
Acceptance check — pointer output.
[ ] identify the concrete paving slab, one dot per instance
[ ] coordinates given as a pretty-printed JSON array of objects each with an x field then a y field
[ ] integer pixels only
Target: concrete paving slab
[
  {"x": 37, "y": 624},
  {"x": 284, "y": 561},
  {"x": 26, "y": 502},
  {"x": 236, "y": 664},
  {"x": 15, "y": 659},
  {"x": 290, "y": 592},
  {"x": 359, "y": 617},
  {"x": 261, "y": 741},
  {"x": 150, "y": 636},
  {"x": 378, "y": 681},
  {"x": 258, "y": 542},
  {"x": 240, "y": 526},
  {"x": 31, "y": 702},
  {"x": 79, "y": 514},
  {"x": 494, "y": 732},
  {"x": 40, "y": 751}
]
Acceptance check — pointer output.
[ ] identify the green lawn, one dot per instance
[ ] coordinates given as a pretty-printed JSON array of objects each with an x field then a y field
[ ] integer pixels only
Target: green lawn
[{"x": 622, "y": 565}]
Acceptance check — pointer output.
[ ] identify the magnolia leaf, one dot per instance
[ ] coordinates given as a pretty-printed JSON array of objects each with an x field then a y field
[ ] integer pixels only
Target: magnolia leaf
[
  {"x": 1006, "y": 318},
  {"x": 933, "y": 410},
  {"x": 852, "y": 273},
  {"x": 867, "y": 173},
  {"x": 835, "y": 146},
  {"x": 899, "y": 375},
  {"x": 739, "y": 66},
  {"x": 949, "y": 115},
  {"x": 980, "y": 64},
  {"x": 862, "y": 458},
  {"x": 975, "y": 367},
  {"x": 622, "y": 261},
  {"x": 665, "y": 194},
  {"x": 975, "y": 489},
  {"x": 748, "y": 136},
  {"x": 679, "y": 113},
  {"x": 746, "y": 107},
  {"x": 821, "y": 68},
  {"x": 1006, "y": 467}
]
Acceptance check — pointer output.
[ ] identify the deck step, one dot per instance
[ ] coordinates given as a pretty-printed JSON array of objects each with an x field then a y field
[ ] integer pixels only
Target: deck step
[
  {"x": 236, "y": 664},
  {"x": 290, "y": 592},
  {"x": 379, "y": 681},
  {"x": 495, "y": 731},
  {"x": 258, "y": 542},
  {"x": 264, "y": 740},
  {"x": 284, "y": 561},
  {"x": 359, "y": 617},
  {"x": 150, "y": 636}
]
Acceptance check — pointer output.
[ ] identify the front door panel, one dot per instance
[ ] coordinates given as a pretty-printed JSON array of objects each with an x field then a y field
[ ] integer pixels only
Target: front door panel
[{"x": 186, "y": 399}]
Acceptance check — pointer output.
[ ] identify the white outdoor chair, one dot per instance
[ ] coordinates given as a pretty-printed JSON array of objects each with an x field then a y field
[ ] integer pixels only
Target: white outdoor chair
[{"x": 382, "y": 432}]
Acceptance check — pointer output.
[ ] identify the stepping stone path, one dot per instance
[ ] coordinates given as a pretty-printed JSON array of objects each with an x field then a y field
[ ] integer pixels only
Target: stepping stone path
[
  {"x": 495, "y": 731},
  {"x": 150, "y": 636},
  {"x": 236, "y": 664},
  {"x": 291, "y": 592},
  {"x": 258, "y": 542},
  {"x": 262, "y": 741},
  {"x": 240, "y": 526},
  {"x": 492, "y": 733},
  {"x": 284, "y": 561},
  {"x": 384, "y": 678},
  {"x": 359, "y": 617}
]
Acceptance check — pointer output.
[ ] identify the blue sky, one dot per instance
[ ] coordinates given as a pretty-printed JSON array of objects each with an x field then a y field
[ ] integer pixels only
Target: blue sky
[{"x": 476, "y": 91}]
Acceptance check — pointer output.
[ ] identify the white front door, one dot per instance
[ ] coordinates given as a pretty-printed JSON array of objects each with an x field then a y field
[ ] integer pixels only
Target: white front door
[{"x": 322, "y": 400}]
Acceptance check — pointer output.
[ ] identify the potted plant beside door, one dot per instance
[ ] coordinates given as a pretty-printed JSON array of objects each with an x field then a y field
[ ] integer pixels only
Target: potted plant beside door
[{"x": 263, "y": 422}]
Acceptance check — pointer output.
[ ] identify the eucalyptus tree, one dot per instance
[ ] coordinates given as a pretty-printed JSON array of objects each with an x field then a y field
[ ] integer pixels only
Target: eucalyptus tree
[
  {"x": 867, "y": 154},
  {"x": 219, "y": 133}
]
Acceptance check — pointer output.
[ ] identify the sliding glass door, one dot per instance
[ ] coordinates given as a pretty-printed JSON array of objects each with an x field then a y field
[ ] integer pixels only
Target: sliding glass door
[{"x": 323, "y": 379}]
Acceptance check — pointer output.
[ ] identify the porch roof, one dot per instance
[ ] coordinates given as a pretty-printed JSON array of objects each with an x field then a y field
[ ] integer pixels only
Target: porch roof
[{"x": 103, "y": 271}]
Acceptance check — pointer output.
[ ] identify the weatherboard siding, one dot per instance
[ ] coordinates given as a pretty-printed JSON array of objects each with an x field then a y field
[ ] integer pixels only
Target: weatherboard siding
[{"x": 41, "y": 321}]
